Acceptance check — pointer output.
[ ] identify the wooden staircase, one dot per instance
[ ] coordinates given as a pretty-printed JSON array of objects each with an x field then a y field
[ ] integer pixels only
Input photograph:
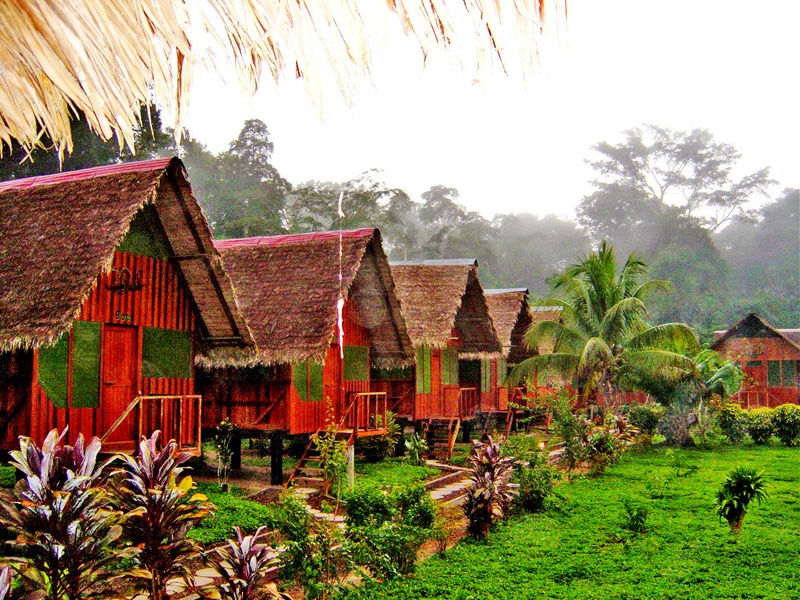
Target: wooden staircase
[
  {"x": 365, "y": 416},
  {"x": 440, "y": 434}
]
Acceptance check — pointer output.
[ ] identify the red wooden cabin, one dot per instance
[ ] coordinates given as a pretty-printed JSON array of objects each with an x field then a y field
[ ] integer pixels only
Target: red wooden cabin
[
  {"x": 769, "y": 357},
  {"x": 110, "y": 288},
  {"x": 453, "y": 336},
  {"x": 306, "y": 374},
  {"x": 511, "y": 316}
]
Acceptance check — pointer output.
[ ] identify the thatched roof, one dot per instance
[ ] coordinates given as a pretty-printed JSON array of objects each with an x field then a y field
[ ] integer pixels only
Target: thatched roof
[
  {"x": 107, "y": 58},
  {"x": 753, "y": 326},
  {"x": 439, "y": 296},
  {"x": 288, "y": 288},
  {"x": 511, "y": 317},
  {"x": 58, "y": 233}
]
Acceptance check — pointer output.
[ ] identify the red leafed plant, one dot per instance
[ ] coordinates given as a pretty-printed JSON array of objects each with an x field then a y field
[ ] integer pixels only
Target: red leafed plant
[
  {"x": 65, "y": 527},
  {"x": 153, "y": 489}
]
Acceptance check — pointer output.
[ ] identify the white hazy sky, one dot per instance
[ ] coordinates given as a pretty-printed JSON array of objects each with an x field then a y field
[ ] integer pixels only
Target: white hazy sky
[{"x": 724, "y": 65}]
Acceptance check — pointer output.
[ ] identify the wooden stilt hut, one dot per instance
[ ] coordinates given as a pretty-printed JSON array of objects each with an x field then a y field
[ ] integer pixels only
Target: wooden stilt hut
[
  {"x": 511, "y": 316},
  {"x": 314, "y": 363},
  {"x": 110, "y": 288},
  {"x": 769, "y": 357},
  {"x": 454, "y": 340}
]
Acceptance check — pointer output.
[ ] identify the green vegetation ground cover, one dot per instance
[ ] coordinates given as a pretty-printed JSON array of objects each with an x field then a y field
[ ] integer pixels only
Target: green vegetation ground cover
[
  {"x": 8, "y": 477},
  {"x": 232, "y": 508},
  {"x": 582, "y": 551},
  {"x": 392, "y": 473}
]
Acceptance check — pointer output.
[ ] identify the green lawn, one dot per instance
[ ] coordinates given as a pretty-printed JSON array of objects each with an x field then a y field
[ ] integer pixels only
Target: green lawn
[
  {"x": 391, "y": 473},
  {"x": 583, "y": 552}
]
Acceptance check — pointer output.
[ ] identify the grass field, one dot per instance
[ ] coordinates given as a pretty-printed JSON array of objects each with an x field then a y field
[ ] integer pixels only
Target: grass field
[{"x": 582, "y": 550}]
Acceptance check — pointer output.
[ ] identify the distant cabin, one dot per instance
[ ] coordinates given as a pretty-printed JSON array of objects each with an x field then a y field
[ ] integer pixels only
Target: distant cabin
[
  {"x": 311, "y": 369},
  {"x": 454, "y": 340},
  {"x": 769, "y": 357},
  {"x": 110, "y": 289},
  {"x": 511, "y": 316}
]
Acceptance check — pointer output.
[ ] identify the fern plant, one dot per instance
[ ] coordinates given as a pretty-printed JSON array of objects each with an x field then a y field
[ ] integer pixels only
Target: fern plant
[{"x": 742, "y": 486}]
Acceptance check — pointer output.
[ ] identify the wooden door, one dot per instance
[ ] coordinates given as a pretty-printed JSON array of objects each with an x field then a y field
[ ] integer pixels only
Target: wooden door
[{"x": 119, "y": 381}]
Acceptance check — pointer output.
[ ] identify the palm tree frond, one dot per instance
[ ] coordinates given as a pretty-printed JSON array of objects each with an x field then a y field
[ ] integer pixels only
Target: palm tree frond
[
  {"x": 677, "y": 337},
  {"x": 563, "y": 364}
]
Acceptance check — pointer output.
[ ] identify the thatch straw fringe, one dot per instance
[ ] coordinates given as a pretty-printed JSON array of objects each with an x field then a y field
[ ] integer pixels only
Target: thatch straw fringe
[{"x": 105, "y": 59}]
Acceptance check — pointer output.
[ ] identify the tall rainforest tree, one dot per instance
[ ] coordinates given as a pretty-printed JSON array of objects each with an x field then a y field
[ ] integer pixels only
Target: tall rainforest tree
[{"x": 603, "y": 343}]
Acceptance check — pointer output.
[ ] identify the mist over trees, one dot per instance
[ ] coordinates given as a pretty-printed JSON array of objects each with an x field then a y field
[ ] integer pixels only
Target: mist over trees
[{"x": 669, "y": 196}]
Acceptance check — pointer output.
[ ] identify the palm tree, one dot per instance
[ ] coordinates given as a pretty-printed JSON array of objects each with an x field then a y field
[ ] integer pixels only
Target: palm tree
[{"x": 603, "y": 342}]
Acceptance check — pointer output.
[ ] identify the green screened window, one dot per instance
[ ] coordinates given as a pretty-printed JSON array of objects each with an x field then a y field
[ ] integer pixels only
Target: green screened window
[
  {"x": 789, "y": 373},
  {"x": 450, "y": 366},
  {"x": 54, "y": 371},
  {"x": 424, "y": 370},
  {"x": 502, "y": 371},
  {"x": 773, "y": 373},
  {"x": 166, "y": 353},
  {"x": 356, "y": 363},
  {"x": 753, "y": 363},
  {"x": 307, "y": 380},
  {"x": 782, "y": 373},
  {"x": 486, "y": 375},
  {"x": 86, "y": 364}
]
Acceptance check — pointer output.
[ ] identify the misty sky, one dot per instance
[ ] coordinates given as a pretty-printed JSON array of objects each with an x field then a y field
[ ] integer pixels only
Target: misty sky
[{"x": 724, "y": 65}]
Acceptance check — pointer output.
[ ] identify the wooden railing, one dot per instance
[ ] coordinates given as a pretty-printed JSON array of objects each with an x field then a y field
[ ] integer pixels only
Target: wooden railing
[
  {"x": 366, "y": 411},
  {"x": 174, "y": 416},
  {"x": 467, "y": 402},
  {"x": 755, "y": 398}
]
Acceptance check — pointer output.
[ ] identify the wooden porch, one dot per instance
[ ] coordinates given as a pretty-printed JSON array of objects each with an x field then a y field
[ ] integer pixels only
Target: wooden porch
[{"x": 178, "y": 417}]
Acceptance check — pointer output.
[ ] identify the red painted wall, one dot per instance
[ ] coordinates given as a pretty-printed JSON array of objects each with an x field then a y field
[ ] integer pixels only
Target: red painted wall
[{"x": 161, "y": 302}]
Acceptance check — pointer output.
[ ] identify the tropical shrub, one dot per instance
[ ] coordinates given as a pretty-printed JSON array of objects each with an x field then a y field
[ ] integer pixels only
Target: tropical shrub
[
  {"x": 489, "y": 496},
  {"x": 415, "y": 507},
  {"x": 223, "y": 441},
  {"x": 601, "y": 451},
  {"x": 388, "y": 550},
  {"x": 536, "y": 481},
  {"x": 386, "y": 530},
  {"x": 375, "y": 448},
  {"x": 416, "y": 447},
  {"x": 316, "y": 555},
  {"x": 786, "y": 419},
  {"x": 656, "y": 486},
  {"x": 574, "y": 431},
  {"x": 741, "y": 486},
  {"x": 676, "y": 460},
  {"x": 760, "y": 425},
  {"x": 242, "y": 566},
  {"x": 333, "y": 457},
  {"x": 154, "y": 492},
  {"x": 732, "y": 421},
  {"x": 635, "y": 516},
  {"x": 645, "y": 417},
  {"x": 64, "y": 527},
  {"x": 367, "y": 505}
]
